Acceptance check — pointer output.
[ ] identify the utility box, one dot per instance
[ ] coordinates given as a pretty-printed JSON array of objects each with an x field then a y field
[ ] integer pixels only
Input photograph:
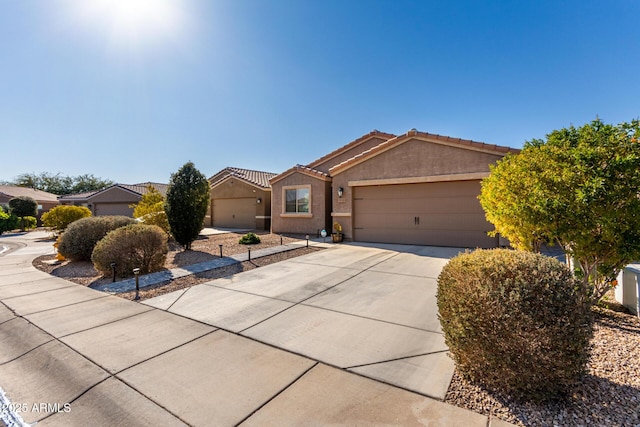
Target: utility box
[{"x": 628, "y": 289}]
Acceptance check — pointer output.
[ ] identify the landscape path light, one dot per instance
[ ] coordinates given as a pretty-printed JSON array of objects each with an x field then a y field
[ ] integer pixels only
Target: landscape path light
[
  {"x": 307, "y": 237},
  {"x": 113, "y": 270},
  {"x": 220, "y": 251},
  {"x": 136, "y": 271}
]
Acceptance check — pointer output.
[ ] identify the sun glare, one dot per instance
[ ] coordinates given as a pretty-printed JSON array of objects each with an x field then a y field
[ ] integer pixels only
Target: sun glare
[{"x": 131, "y": 23}]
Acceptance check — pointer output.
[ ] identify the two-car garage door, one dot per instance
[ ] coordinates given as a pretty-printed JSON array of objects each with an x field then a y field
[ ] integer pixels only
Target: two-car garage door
[
  {"x": 436, "y": 214},
  {"x": 235, "y": 213}
]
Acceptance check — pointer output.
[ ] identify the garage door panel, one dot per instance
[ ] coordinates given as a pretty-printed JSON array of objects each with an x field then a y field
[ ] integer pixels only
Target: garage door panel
[
  {"x": 455, "y": 238},
  {"x": 439, "y": 214},
  {"x": 403, "y": 191},
  {"x": 102, "y": 209},
  {"x": 455, "y": 221},
  {"x": 420, "y": 205},
  {"x": 234, "y": 213}
]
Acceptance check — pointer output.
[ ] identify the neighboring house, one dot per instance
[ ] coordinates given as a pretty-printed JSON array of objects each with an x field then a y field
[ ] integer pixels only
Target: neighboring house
[
  {"x": 113, "y": 200},
  {"x": 240, "y": 198},
  {"x": 46, "y": 201},
  {"x": 416, "y": 188}
]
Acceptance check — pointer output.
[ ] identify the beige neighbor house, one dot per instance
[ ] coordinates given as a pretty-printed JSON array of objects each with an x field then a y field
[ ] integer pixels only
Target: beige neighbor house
[
  {"x": 113, "y": 200},
  {"x": 416, "y": 188},
  {"x": 46, "y": 201},
  {"x": 240, "y": 198}
]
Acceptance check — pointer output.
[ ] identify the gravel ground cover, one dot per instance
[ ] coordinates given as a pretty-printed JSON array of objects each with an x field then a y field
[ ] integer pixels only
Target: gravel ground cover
[
  {"x": 203, "y": 249},
  {"x": 609, "y": 395}
]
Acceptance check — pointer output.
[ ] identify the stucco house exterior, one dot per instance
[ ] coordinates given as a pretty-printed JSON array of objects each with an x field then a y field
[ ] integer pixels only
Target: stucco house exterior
[
  {"x": 240, "y": 198},
  {"x": 113, "y": 200},
  {"x": 415, "y": 188},
  {"x": 46, "y": 201}
]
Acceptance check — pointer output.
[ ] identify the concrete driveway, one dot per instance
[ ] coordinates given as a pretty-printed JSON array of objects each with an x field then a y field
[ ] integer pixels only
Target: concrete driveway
[
  {"x": 365, "y": 309},
  {"x": 344, "y": 336}
]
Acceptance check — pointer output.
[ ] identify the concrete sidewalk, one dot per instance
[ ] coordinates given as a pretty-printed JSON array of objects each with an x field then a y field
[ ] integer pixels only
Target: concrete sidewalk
[{"x": 260, "y": 347}]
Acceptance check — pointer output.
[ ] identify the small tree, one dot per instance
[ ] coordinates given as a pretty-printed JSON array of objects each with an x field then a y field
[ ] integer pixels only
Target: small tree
[
  {"x": 581, "y": 189},
  {"x": 186, "y": 204},
  {"x": 150, "y": 209},
  {"x": 23, "y": 206}
]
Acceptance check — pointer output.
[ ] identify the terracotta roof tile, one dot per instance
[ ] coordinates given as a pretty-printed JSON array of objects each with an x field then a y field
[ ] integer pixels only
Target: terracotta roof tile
[
  {"x": 258, "y": 178},
  {"x": 303, "y": 169},
  {"x": 143, "y": 187}
]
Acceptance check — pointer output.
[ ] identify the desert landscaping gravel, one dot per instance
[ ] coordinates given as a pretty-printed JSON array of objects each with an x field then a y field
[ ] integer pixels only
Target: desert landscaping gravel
[
  {"x": 202, "y": 249},
  {"x": 609, "y": 395}
]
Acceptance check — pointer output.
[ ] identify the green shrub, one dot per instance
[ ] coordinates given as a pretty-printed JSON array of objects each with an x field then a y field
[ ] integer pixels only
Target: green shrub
[
  {"x": 133, "y": 246},
  {"x": 8, "y": 221},
  {"x": 514, "y": 321},
  {"x": 79, "y": 239},
  {"x": 29, "y": 222},
  {"x": 249, "y": 239},
  {"x": 59, "y": 218}
]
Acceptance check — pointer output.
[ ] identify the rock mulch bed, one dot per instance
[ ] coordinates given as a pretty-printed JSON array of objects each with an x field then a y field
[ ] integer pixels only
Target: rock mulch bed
[
  {"x": 203, "y": 249},
  {"x": 609, "y": 395}
]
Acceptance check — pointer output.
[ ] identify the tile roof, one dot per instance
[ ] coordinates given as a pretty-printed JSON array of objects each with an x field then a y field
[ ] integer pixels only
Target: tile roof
[
  {"x": 141, "y": 188},
  {"x": 302, "y": 169},
  {"x": 258, "y": 178},
  {"x": 354, "y": 143},
  {"x": 38, "y": 195},
  {"x": 463, "y": 143}
]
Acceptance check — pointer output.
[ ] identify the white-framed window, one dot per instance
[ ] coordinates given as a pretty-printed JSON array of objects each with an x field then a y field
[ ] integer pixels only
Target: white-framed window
[{"x": 297, "y": 200}]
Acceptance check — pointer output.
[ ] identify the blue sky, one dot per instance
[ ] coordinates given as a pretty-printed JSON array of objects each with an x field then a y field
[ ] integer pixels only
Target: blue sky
[{"x": 130, "y": 91}]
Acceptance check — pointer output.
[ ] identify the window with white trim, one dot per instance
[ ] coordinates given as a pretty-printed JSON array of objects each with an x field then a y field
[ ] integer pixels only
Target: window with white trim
[{"x": 297, "y": 200}]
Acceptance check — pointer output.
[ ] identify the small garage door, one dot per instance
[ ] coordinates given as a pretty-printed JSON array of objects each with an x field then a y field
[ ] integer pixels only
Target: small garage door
[
  {"x": 435, "y": 214},
  {"x": 234, "y": 213},
  {"x": 102, "y": 209}
]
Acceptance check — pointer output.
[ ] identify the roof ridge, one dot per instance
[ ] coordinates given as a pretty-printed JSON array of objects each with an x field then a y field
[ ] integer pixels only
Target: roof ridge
[{"x": 351, "y": 144}]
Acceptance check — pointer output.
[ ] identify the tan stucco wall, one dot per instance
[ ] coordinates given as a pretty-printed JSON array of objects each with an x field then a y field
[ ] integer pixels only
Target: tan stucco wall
[
  {"x": 115, "y": 195},
  {"x": 324, "y": 166},
  {"x": 302, "y": 224},
  {"x": 414, "y": 158},
  {"x": 114, "y": 201},
  {"x": 234, "y": 188}
]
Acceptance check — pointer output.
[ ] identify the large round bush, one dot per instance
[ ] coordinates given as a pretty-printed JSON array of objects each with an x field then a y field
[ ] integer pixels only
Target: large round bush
[
  {"x": 59, "y": 218},
  {"x": 134, "y": 246},
  {"x": 81, "y": 236},
  {"x": 515, "y": 321}
]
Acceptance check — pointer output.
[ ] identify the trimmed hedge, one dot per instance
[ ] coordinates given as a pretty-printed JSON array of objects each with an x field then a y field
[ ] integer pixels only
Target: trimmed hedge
[
  {"x": 133, "y": 246},
  {"x": 249, "y": 239},
  {"x": 514, "y": 321},
  {"x": 59, "y": 218},
  {"x": 79, "y": 239}
]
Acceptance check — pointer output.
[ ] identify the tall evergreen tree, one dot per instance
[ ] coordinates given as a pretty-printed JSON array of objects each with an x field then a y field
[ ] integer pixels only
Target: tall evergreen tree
[{"x": 186, "y": 204}]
